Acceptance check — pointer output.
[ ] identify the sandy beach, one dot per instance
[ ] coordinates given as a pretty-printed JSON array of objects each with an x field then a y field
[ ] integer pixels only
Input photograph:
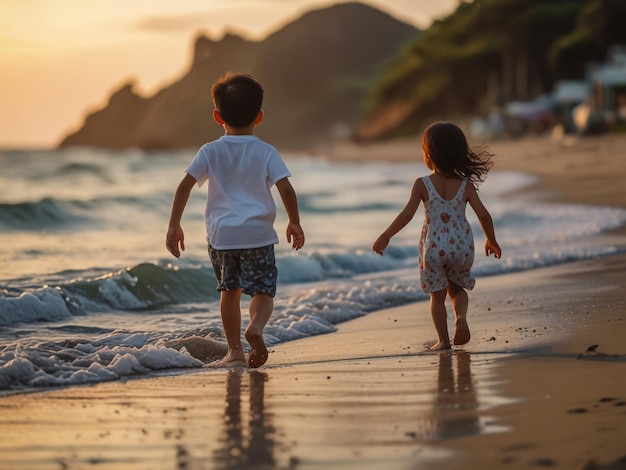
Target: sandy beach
[{"x": 541, "y": 384}]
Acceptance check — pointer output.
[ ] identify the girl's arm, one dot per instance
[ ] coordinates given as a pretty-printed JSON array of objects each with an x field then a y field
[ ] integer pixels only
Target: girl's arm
[
  {"x": 402, "y": 219},
  {"x": 486, "y": 222},
  {"x": 295, "y": 234},
  {"x": 175, "y": 235}
]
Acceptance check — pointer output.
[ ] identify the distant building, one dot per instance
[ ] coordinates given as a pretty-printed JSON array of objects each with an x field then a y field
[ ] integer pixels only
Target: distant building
[
  {"x": 606, "y": 105},
  {"x": 608, "y": 82},
  {"x": 567, "y": 95}
]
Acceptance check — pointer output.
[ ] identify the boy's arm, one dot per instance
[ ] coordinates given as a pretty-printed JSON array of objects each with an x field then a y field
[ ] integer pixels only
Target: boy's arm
[
  {"x": 295, "y": 234},
  {"x": 402, "y": 219},
  {"x": 486, "y": 222},
  {"x": 175, "y": 235}
]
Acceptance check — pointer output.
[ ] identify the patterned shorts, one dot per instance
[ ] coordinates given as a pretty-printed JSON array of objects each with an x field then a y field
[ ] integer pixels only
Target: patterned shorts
[{"x": 253, "y": 270}]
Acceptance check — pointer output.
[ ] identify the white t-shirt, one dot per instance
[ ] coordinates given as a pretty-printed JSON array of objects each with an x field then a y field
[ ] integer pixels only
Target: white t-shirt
[{"x": 240, "y": 209}]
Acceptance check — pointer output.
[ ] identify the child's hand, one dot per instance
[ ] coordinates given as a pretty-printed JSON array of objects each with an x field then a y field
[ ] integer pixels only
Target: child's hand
[
  {"x": 295, "y": 235},
  {"x": 380, "y": 244},
  {"x": 175, "y": 236},
  {"x": 493, "y": 247}
]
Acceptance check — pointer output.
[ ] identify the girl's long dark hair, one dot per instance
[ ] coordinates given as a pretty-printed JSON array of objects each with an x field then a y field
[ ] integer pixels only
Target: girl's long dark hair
[{"x": 445, "y": 145}]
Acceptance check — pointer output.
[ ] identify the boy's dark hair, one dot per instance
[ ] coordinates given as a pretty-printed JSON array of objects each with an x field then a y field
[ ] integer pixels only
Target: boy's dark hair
[
  {"x": 446, "y": 146},
  {"x": 238, "y": 98}
]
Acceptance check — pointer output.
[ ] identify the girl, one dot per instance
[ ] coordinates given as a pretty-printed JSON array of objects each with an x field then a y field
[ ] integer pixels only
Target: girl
[{"x": 446, "y": 246}]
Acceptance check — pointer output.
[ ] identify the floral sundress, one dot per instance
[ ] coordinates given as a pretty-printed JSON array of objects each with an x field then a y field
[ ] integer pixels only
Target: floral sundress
[{"x": 446, "y": 247}]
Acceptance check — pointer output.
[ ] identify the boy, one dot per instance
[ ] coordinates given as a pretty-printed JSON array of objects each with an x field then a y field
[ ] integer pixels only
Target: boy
[{"x": 239, "y": 214}]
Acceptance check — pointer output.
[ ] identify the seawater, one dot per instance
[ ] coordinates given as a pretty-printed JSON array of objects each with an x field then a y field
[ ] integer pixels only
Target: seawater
[{"x": 88, "y": 292}]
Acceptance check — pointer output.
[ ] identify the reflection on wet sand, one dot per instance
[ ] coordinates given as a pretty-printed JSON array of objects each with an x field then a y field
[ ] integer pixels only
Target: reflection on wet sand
[
  {"x": 245, "y": 445},
  {"x": 455, "y": 409},
  {"x": 287, "y": 424}
]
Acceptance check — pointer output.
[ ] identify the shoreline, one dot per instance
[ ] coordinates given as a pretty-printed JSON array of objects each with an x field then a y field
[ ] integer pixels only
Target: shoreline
[
  {"x": 525, "y": 392},
  {"x": 575, "y": 169}
]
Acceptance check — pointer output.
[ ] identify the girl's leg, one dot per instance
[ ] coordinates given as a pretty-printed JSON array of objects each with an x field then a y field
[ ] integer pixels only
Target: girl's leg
[
  {"x": 261, "y": 307},
  {"x": 460, "y": 303},
  {"x": 230, "y": 310},
  {"x": 440, "y": 319}
]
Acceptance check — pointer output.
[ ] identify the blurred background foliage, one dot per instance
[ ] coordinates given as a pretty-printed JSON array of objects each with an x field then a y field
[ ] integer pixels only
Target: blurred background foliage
[{"x": 489, "y": 52}]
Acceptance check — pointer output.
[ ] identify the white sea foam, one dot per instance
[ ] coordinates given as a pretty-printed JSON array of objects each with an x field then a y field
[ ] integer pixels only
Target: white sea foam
[{"x": 46, "y": 364}]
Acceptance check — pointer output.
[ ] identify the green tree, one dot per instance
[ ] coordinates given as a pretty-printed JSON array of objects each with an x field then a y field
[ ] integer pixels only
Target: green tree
[{"x": 487, "y": 52}]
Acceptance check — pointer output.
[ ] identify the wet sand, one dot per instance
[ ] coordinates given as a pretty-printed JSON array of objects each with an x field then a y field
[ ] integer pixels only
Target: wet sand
[{"x": 541, "y": 384}]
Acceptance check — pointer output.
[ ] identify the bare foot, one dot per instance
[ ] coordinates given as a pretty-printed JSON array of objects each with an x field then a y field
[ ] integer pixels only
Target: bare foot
[
  {"x": 461, "y": 332},
  {"x": 258, "y": 352},
  {"x": 440, "y": 346}
]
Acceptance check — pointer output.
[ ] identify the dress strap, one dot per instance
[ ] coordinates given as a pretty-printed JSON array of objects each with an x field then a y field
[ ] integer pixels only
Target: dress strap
[
  {"x": 432, "y": 192},
  {"x": 461, "y": 190},
  {"x": 429, "y": 186}
]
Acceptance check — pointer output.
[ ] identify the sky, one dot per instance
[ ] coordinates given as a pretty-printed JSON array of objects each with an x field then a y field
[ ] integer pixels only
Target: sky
[{"x": 60, "y": 59}]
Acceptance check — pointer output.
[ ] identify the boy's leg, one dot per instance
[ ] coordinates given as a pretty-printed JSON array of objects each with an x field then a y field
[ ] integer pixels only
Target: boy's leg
[
  {"x": 258, "y": 279},
  {"x": 261, "y": 306},
  {"x": 226, "y": 268},
  {"x": 440, "y": 319},
  {"x": 230, "y": 310},
  {"x": 460, "y": 302}
]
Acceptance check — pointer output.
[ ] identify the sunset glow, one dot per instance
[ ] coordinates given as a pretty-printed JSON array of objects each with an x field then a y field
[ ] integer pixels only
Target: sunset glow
[{"x": 60, "y": 59}]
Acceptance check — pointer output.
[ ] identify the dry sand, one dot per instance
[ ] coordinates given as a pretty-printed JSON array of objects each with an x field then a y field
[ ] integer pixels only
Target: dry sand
[{"x": 524, "y": 393}]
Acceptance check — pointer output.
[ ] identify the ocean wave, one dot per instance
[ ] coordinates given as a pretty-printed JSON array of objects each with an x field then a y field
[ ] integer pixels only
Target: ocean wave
[
  {"x": 47, "y": 213},
  {"x": 318, "y": 265},
  {"x": 143, "y": 287},
  {"x": 51, "y": 213},
  {"x": 154, "y": 286},
  {"x": 82, "y": 168},
  {"x": 150, "y": 286}
]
